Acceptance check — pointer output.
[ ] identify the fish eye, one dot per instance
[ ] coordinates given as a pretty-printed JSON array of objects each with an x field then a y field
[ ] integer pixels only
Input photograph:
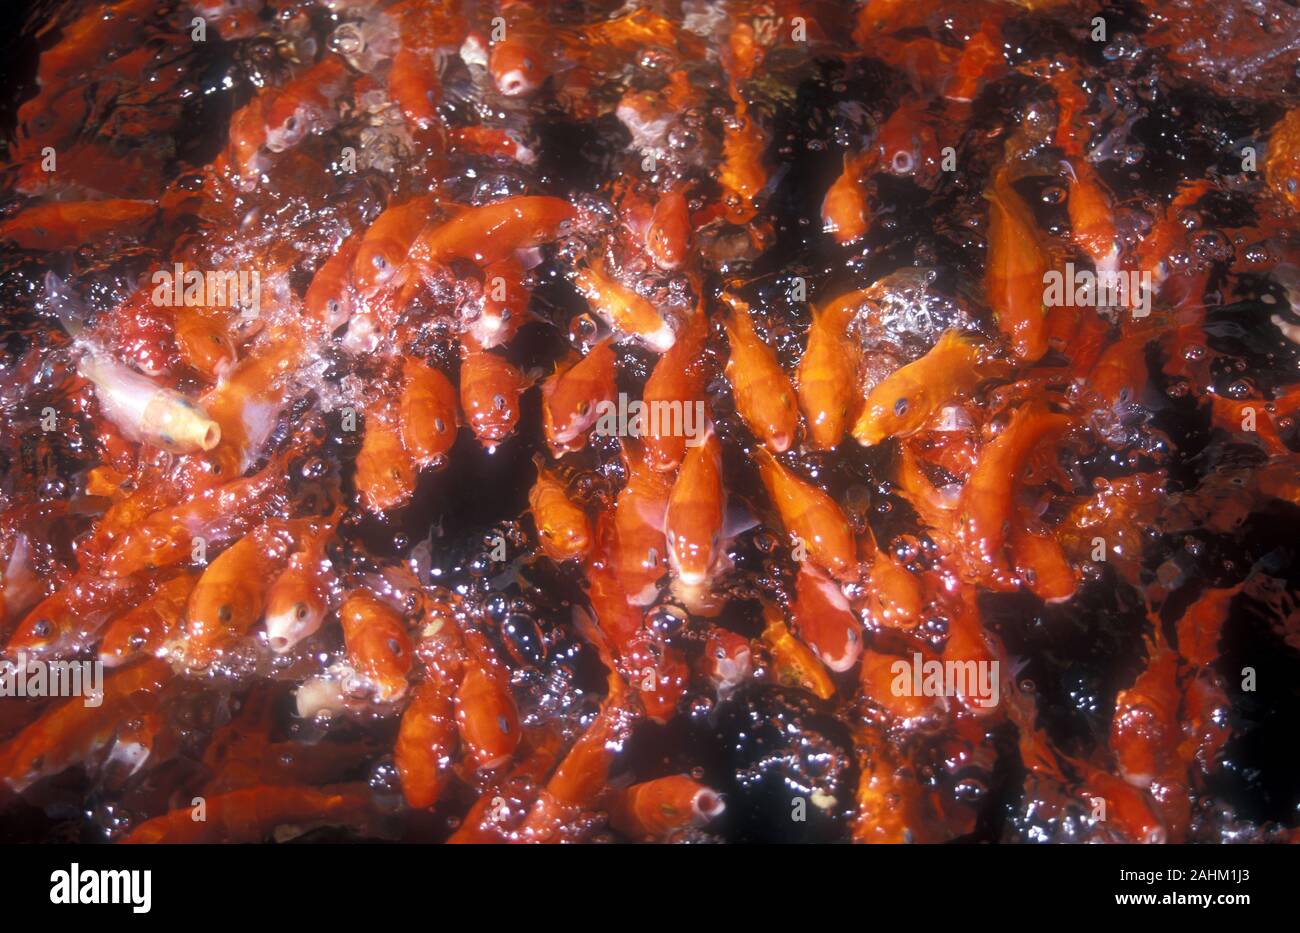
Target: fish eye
[
  {"x": 394, "y": 647},
  {"x": 499, "y": 401},
  {"x": 503, "y": 724},
  {"x": 43, "y": 628},
  {"x": 291, "y": 123},
  {"x": 900, "y": 407},
  {"x": 332, "y": 306},
  {"x": 505, "y": 314},
  {"x": 379, "y": 262},
  {"x": 225, "y": 613},
  {"x": 136, "y": 641},
  {"x": 584, "y": 407},
  {"x": 438, "y": 425},
  {"x": 300, "y": 610}
]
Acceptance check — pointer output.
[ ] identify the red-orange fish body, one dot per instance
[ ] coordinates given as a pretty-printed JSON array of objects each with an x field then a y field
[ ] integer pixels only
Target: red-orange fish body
[
  {"x": 489, "y": 394},
  {"x": 987, "y": 498},
  {"x": 825, "y": 620},
  {"x": 428, "y": 413},
  {"x": 386, "y": 471},
  {"x": 810, "y": 516},
  {"x": 148, "y": 627},
  {"x": 493, "y": 232},
  {"x": 378, "y": 645},
  {"x": 641, "y": 550},
  {"x": 72, "y": 615},
  {"x": 230, "y": 595},
  {"x": 426, "y": 741},
  {"x": 693, "y": 520},
  {"x": 562, "y": 527},
  {"x": 676, "y": 386},
  {"x": 382, "y": 257},
  {"x": 74, "y": 729},
  {"x": 764, "y": 396},
  {"x": 572, "y": 398},
  {"x": 1016, "y": 277}
]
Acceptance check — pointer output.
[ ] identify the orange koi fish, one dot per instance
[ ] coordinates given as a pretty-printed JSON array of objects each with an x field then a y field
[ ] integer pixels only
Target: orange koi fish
[
  {"x": 1282, "y": 165},
  {"x": 846, "y": 215},
  {"x": 1145, "y": 730},
  {"x": 65, "y": 224},
  {"x": 72, "y": 615},
  {"x": 426, "y": 740},
  {"x": 742, "y": 173},
  {"x": 486, "y": 714},
  {"x": 505, "y": 303},
  {"x": 1092, "y": 216},
  {"x": 668, "y": 238},
  {"x": 562, "y": 527},
  {"x": 827, "y": 378},
  {"x": 889, "y": 802},
  {"x": 895, "y": 598},
  {"x": 584, "y": 771},
  {"x": 793, "y": 664},
  {"x": 218, "y": 514},
  {"x": 145, "y": 629},
  {"x": 519, "y": 60},
  {"x": 728, "y": 660},
  {"x": 252, "y": 814},
  {"x": 247, "y": 401},
  {"x": 230, "y": 594},
  {"x": 825, "y": 621},
  {"x": 811, "y": 517},
  {"x": 987, "y": 499},
  {"x": 386, "y": 471},
  {"x": 1041, "y": 563},
  {"x": 413, "y": 83},
  {"x": 381, "y": 259},
  {"x": 764, "y": 396},
  {"x": 491, "y": 233},
  {"x": 306, "y": 104},
  {"x": 572, "y": 396},
  {"x": 905, "y": 400},
  {"x": 73, "y": 730},
  {"x": 330, "y": 296},
  {"x": 204, "y": 342},
  {"x": 694, "y": 516},
  {"x": 676, "y": 384},
  {"x": 427, "y": 413},
  {"x": 299, "y": 598},
  {"x": 878, "y": 677},
  {"x": 1128, "y": 808},
  {"x": 641, "y": 550},
  {"x": 489, "y": 394},
  {"x": 624, "y": 310},
  {"x": 659, "y": 808},
  {"x": 379, "y": 648},
  {"x": 1017, "y": 267}
]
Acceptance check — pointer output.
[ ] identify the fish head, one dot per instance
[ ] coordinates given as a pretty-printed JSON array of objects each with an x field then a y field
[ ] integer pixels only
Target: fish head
[
  {"x": 43, "y": 628},
  {"x": 293, "y": 612},
  {"x": 180, "y": 426},
  {"x": 517, "y": 69},
  {"x": 693, "y": 551}
]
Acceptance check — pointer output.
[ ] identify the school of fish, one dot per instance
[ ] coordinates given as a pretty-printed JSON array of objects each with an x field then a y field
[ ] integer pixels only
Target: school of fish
[{"x": 606, "y": 402}]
